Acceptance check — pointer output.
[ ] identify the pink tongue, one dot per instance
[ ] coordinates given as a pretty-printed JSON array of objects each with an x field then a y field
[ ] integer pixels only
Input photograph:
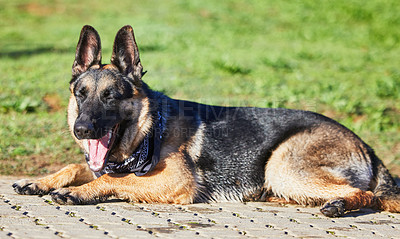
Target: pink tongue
[{"x": 98, "y": 149}]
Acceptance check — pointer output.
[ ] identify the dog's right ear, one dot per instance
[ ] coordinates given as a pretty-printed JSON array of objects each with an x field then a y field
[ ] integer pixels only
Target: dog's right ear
[{"x": 88, "y": 51}]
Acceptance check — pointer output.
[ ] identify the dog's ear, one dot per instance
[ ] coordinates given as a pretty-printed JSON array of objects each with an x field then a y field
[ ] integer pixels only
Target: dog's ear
[
  {"x": 88, "y": 51},
  {"x": 126, "y": 55}
]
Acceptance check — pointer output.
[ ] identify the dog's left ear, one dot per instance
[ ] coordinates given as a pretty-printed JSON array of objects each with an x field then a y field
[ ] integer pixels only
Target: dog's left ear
[
  {"x": 126, "y": 55},
  {"x": 88, "y": 51}
]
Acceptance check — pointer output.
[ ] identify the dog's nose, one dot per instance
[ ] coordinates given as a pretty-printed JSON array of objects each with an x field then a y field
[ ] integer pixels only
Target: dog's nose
[{"x": 84, "y": 130}]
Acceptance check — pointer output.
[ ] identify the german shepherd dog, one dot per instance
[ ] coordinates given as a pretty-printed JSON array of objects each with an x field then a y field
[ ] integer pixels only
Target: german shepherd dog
[{"x": 143, "y": 146}]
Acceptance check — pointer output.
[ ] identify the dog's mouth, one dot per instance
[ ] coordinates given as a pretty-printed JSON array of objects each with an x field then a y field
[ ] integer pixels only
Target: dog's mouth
[{"x": 99, "y": 149}]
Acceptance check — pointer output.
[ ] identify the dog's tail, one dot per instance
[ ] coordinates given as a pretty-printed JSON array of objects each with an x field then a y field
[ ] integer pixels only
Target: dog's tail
[{"x": 386, "y": 191}]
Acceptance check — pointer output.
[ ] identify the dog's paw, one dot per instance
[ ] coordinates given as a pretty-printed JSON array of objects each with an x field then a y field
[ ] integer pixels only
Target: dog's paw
[
  {"x": 30, "y": 187},
  {"x": 73, "y": 195},
  {"x": 66, "y": 196},
  {"x": 334, "y": 208}
]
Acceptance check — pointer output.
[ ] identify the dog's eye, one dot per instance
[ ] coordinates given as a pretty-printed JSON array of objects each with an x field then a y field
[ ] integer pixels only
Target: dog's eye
[
  {"x": 81, "y": 93},
  {"x": 106, "y": 94}
]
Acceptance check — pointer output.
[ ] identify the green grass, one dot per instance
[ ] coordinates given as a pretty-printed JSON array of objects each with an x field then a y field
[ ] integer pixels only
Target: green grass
[{"x": 339, "y": 58}]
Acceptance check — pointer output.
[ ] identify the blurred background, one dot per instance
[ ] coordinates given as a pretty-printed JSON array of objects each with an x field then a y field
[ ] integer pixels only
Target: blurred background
[{"x": 339, "y": 58}]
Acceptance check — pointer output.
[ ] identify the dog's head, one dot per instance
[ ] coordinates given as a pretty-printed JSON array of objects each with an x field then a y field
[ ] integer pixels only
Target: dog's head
[{"x": 108, "y": 110}]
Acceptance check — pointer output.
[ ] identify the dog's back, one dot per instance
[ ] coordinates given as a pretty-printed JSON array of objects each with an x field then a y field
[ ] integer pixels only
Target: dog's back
[{"x": 238, "y": 143}]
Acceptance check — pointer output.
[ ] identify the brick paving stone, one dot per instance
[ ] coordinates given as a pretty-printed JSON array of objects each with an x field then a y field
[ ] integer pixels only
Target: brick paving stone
[
  {"x": 24, "y": 227},
  {"x": 5, "y": 234}
]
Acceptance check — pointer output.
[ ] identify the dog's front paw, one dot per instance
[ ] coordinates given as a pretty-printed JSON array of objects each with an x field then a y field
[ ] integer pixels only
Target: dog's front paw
[
  {"x": 334, "y": 208},
  {"x": 66, "y": 196},
  {"x": 73, "y": 195},
  {"x": 30, "y": 187}
]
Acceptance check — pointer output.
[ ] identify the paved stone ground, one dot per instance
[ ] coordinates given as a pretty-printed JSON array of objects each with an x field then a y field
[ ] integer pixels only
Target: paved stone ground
[{"x": 38, "y": 217}]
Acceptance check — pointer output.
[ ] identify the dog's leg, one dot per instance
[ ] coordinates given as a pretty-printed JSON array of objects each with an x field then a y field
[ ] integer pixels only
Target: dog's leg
[
  {"x": 355, "y": 200},
  {"x": 325, "y": 165},
  {"x": 316, "y": 187},
  {"x": 336, "y": 196},
  {"x": 71, "y": 175},
  {"x": 170, "y": 182}
]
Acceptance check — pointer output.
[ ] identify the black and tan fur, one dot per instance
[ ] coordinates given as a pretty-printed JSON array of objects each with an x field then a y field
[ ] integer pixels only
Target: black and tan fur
[{"x": 208, "y": 153}]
